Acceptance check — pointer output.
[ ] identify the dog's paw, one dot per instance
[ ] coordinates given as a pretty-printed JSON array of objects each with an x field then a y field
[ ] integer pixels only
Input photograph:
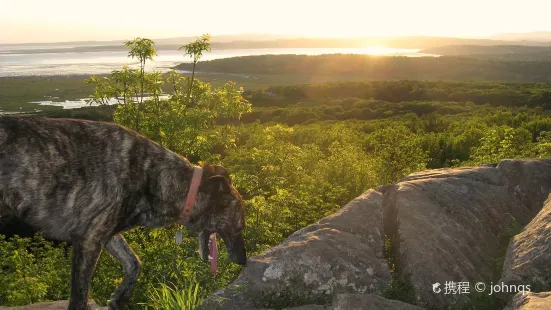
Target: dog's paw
[
  {"x": 92, "y": 306},
  {"x": 112, "y": 305}
]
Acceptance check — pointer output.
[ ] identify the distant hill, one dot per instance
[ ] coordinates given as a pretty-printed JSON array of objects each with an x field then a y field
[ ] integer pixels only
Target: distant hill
[
  {"x": 263, "y": 41},
  {"x": 452, "y": 68},
  {"x": 418, "y": 42},
  {"x": 495, "y": 52},
  {"x": 253, "y": 37},
  {"x": 163, "y": 41},
  {"x": 542, "y": 36}
]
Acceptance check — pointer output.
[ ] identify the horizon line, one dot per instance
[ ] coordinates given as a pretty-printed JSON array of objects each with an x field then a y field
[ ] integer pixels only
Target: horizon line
[{"x": 276, "y": 36}]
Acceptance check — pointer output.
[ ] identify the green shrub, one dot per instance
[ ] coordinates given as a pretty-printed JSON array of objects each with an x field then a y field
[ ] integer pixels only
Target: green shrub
[{"x": 168, "y": 297}]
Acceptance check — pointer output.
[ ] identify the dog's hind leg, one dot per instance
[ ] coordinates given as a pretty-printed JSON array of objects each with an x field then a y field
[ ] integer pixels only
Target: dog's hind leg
[{"x": 131, "y": 267}]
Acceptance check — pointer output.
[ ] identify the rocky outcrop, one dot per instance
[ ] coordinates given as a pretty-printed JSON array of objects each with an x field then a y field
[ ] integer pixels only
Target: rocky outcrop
[
  {"x": 528, "y": 259},
  {"x": 53, "y": 305},
  {"x": 368, "y": 301},
  {"x": 449, "y": 222},
  {"x": 440, "y": 225},
  {"x": 530, "y": 301}
]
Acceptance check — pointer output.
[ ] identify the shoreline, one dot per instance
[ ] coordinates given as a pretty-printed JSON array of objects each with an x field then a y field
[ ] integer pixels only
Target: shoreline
[{"x": 42, "y": 63}]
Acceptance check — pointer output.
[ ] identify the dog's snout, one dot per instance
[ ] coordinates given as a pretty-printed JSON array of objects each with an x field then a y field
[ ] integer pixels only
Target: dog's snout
[
  {"x": 236, "y": 249},
  {"x": 243, "y": 262},
  {"x": 239, "y": 258}
]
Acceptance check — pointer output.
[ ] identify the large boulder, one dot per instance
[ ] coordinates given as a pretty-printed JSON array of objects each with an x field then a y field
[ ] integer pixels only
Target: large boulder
[
  {"x": 528, "y": 259},
  {"x": 447, "y": 224},
  {"x": 342, "y": 253},
  {"x": 528, "y": 180}
]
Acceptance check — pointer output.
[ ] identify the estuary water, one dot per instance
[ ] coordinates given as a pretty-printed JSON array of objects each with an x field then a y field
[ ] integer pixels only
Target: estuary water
[{"x": 15, "y": 61}]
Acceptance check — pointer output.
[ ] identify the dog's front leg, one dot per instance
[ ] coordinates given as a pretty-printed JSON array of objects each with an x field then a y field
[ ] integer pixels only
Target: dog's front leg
[
  {"x": 85, "y": 255},
  {"x": 131, "y": 267}
]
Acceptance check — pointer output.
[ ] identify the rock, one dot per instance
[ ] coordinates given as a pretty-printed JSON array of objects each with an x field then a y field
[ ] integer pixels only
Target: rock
[
  {"x": 310, "y": 307},
  {"x": 232, "y": 297},
  {"x": 530, "y": 301},
  {"x": 340, "y": 253},
  {"x": 447, "y": 223},
  {"x": 53, "y": 305},
  {"x": 529, "y": 180},
  {"x": 360, "y": 302},
  {"x": 528, "y": 259},
  {"x": 369, "y": 301}
]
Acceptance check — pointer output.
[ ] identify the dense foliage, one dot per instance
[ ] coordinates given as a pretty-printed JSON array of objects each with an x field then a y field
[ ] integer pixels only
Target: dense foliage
[
  {"x": 299, "y": 104},
  {"x": 315, "y": 148}
]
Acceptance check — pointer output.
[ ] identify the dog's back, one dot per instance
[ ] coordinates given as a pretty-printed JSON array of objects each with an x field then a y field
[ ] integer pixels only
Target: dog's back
[{"x": 56, "y": 174}]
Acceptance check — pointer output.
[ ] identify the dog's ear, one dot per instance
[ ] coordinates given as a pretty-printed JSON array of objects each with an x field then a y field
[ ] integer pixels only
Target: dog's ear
[
  {"x": 215, "y": 170},
  {"x": 219, "y": 184},
  {"x": 219, "y": 170}
]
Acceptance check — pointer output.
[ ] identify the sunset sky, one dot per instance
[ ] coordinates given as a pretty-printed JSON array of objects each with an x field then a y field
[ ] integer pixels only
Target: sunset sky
[{"x": 75, "y": 20}]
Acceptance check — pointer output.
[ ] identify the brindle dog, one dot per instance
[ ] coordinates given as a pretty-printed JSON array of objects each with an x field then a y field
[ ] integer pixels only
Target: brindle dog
[{"x": 85, "y": 182}]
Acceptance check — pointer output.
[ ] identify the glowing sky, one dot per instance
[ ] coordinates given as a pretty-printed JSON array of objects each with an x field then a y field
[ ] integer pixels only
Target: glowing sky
[{"x": 78, "y": 20}]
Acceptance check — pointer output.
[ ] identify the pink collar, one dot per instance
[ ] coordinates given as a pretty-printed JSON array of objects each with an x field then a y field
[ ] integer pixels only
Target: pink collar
[{"x": 185, "y": 216}]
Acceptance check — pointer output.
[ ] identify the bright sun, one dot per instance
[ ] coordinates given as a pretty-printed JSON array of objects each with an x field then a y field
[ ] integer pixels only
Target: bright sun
[
  {"x": 381, "y": 50},
  {"x": 378, "y": 50}
]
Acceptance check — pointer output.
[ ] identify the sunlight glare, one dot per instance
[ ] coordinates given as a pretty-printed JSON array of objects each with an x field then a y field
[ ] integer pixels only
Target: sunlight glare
[{"x": 381, "y": 50}]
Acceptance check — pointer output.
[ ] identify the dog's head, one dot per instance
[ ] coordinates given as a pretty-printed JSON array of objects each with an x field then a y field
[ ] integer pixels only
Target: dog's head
[{"x": 221, "y": 212}]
